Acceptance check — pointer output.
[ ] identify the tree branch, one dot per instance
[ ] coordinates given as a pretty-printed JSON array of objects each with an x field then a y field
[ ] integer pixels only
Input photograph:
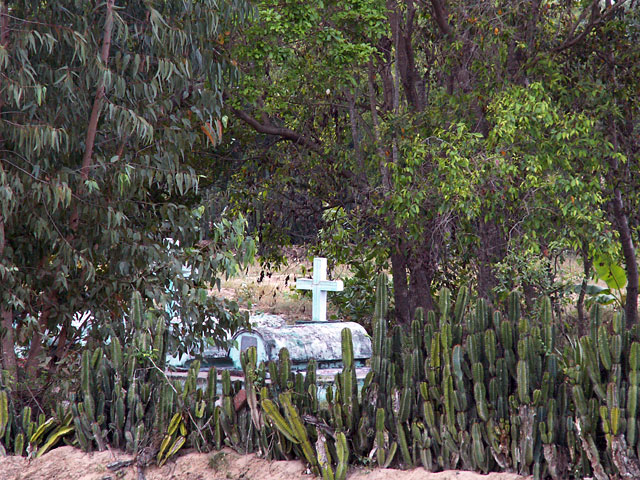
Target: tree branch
[
  {"x": 440, "y": 15},
  {"x": 283, "y": 132},
  {"x": 99, "y": 99},
  {"x": 92, "y": 128},
  {"x": 7, "y": 341},
  {"x": 594, "y": 21}
]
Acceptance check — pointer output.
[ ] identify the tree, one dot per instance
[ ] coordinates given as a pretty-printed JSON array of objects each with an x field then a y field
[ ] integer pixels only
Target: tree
[
  {"x": 101, "y": 104},
  {"x": 611, "y": 60},
  {"x": 387, "y": 112}
]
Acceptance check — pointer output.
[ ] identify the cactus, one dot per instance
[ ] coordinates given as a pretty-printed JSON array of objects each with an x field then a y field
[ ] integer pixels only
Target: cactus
[
  {"x": 444, "y": 303},
  {"x": 549, "y": 333},
  {"x": 457, "y": 361},
  {"x": 284, "y": 369},
  {"x": 603, "y": 347},
  {"x": 471, "y": 389},
  {"x": 478, "y": 450},
  {"x": 382, "y": 297},
  {"x": 404, "y": 446},
  {"x": 347, "y": 348},
  {"x": 514, "y": 307},
  {"x": 490, "y": 348},
  {"x": 446, "y": 337},
  {"x": 448, "y": 403},
  {"x": 381, "y": 437},
  {"x": 590, "y": 360},
  {"x": 435, "y": 351},
  {"x": 19, "y": 444},
  {"x": 480, "y": 395},
  {"x": 461, "y": 305},
  {"x": 479, "y": 323},
  {"x": 136, "y": 310},
  {"x": 212, "y": 385},
  {"x": 417, "y": 329},
  {"x": 4, "y": 412},
  {"x": 523, "y": 382},
  {"x": 405, "y": 404},
  {"x": 323, "y": 453},
  {"x": 173, "y": 440},
  {"x": 506, "y": 334},
  {"x": 299, "y": 432},
  {"x": 343, "y": 456},
  {"x": 595, "y": 320},
  {"x": 474, "y": 347}
]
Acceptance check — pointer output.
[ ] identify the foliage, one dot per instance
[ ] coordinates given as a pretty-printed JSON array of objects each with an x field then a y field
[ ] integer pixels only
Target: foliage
[
  {"x": 613, "y": 275},
  {"x": 524, "y": 270},
  {"x": 99, "y": 111},
  {"x": 121, "y": 398},
  {"x": 356, "y": 301},
  {"x": 449, "y": 136}
]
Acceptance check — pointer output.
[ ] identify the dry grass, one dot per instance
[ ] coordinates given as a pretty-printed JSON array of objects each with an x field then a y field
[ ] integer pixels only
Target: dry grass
[{"x": 259, "y": 291}]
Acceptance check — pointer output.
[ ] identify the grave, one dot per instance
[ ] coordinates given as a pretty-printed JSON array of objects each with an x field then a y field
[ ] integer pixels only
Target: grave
[{"x": 317, "y": 339}]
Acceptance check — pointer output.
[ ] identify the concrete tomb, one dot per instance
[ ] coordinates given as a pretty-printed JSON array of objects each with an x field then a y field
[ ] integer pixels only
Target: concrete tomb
[{"x": 318, "y": 339}]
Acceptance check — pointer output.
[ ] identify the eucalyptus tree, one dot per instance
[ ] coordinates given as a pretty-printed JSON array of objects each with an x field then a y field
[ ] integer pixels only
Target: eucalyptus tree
[{"x": 101, "y": 104}]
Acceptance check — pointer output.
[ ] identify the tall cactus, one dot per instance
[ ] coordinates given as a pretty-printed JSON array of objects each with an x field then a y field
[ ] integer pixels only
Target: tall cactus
[{"x": 464, "y": 388}]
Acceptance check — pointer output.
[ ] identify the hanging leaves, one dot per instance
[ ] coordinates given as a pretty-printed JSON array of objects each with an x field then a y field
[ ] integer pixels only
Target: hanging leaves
[{"x": 91, "y": 232}]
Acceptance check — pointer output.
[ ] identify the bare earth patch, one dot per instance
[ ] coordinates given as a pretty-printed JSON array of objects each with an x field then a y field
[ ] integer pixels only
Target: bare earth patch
[
  {"x": 68, "y": 463},
  {"x": 259, "y": 291}
]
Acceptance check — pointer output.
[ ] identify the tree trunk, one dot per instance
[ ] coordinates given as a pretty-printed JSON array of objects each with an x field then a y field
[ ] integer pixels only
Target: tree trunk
[
  {"x": 8, "y": 358},
  {"x": 7, "y": 343},
  {"x": 35, "y": 349},
  {"x": 621, "y": 219},
  {"x": 4, "y": 24},
  {"x": 629, "y": 252},
  {"x": 587, "y": 262},
  {"x": 92, "y": 128},
  {"x": 491, "y": 250},
  {"x": 382, "y": 160},
  {"x": 400, "y": 286},
  {"x": 355, "y": 134},
  {"x": 420, "y": 281},
  {"x": 486, "y": 280}
]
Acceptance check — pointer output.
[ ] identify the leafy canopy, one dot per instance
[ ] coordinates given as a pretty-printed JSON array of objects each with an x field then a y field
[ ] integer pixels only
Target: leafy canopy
[{"x": 93, "y": 208}]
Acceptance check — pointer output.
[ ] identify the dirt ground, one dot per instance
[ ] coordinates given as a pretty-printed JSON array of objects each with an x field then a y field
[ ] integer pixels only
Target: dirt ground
[
  {"x": 68, "y": 463},
  {"x": 274, "y": 292}
]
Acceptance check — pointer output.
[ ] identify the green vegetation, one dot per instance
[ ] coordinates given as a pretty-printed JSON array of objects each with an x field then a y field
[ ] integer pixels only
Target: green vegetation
[
  {"x": 466, "y": 387},
  {"x": 458, "y": 146},
  {"x": 446, "y": 142},
  {"x": 101, "y": 109}
]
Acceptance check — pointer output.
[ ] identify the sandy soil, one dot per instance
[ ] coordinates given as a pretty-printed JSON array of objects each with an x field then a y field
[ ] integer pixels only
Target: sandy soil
[{"x": 67, "y": 463}]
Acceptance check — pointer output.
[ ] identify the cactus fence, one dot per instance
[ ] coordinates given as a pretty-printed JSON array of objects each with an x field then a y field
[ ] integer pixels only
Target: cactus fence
[{"x": 463, "y": 388}]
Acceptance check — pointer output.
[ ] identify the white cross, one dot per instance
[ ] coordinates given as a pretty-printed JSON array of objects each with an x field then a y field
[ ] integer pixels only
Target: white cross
[{"x": 319, "y": 286}]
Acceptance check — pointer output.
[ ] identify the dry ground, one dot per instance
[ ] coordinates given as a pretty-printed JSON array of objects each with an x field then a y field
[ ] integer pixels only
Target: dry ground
[
  {"x": 67, "y": 463},
  {"x": 260, "y": 291}
]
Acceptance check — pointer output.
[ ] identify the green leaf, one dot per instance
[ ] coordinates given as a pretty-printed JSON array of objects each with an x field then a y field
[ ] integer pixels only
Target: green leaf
[
  {"x": 611, "y": 273},
  {"x": 177, "y": 445},
  {"x": 605, "y": 299},
  {"x": 282, "y": 425},
  {"x": 55, "y": 436}
]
